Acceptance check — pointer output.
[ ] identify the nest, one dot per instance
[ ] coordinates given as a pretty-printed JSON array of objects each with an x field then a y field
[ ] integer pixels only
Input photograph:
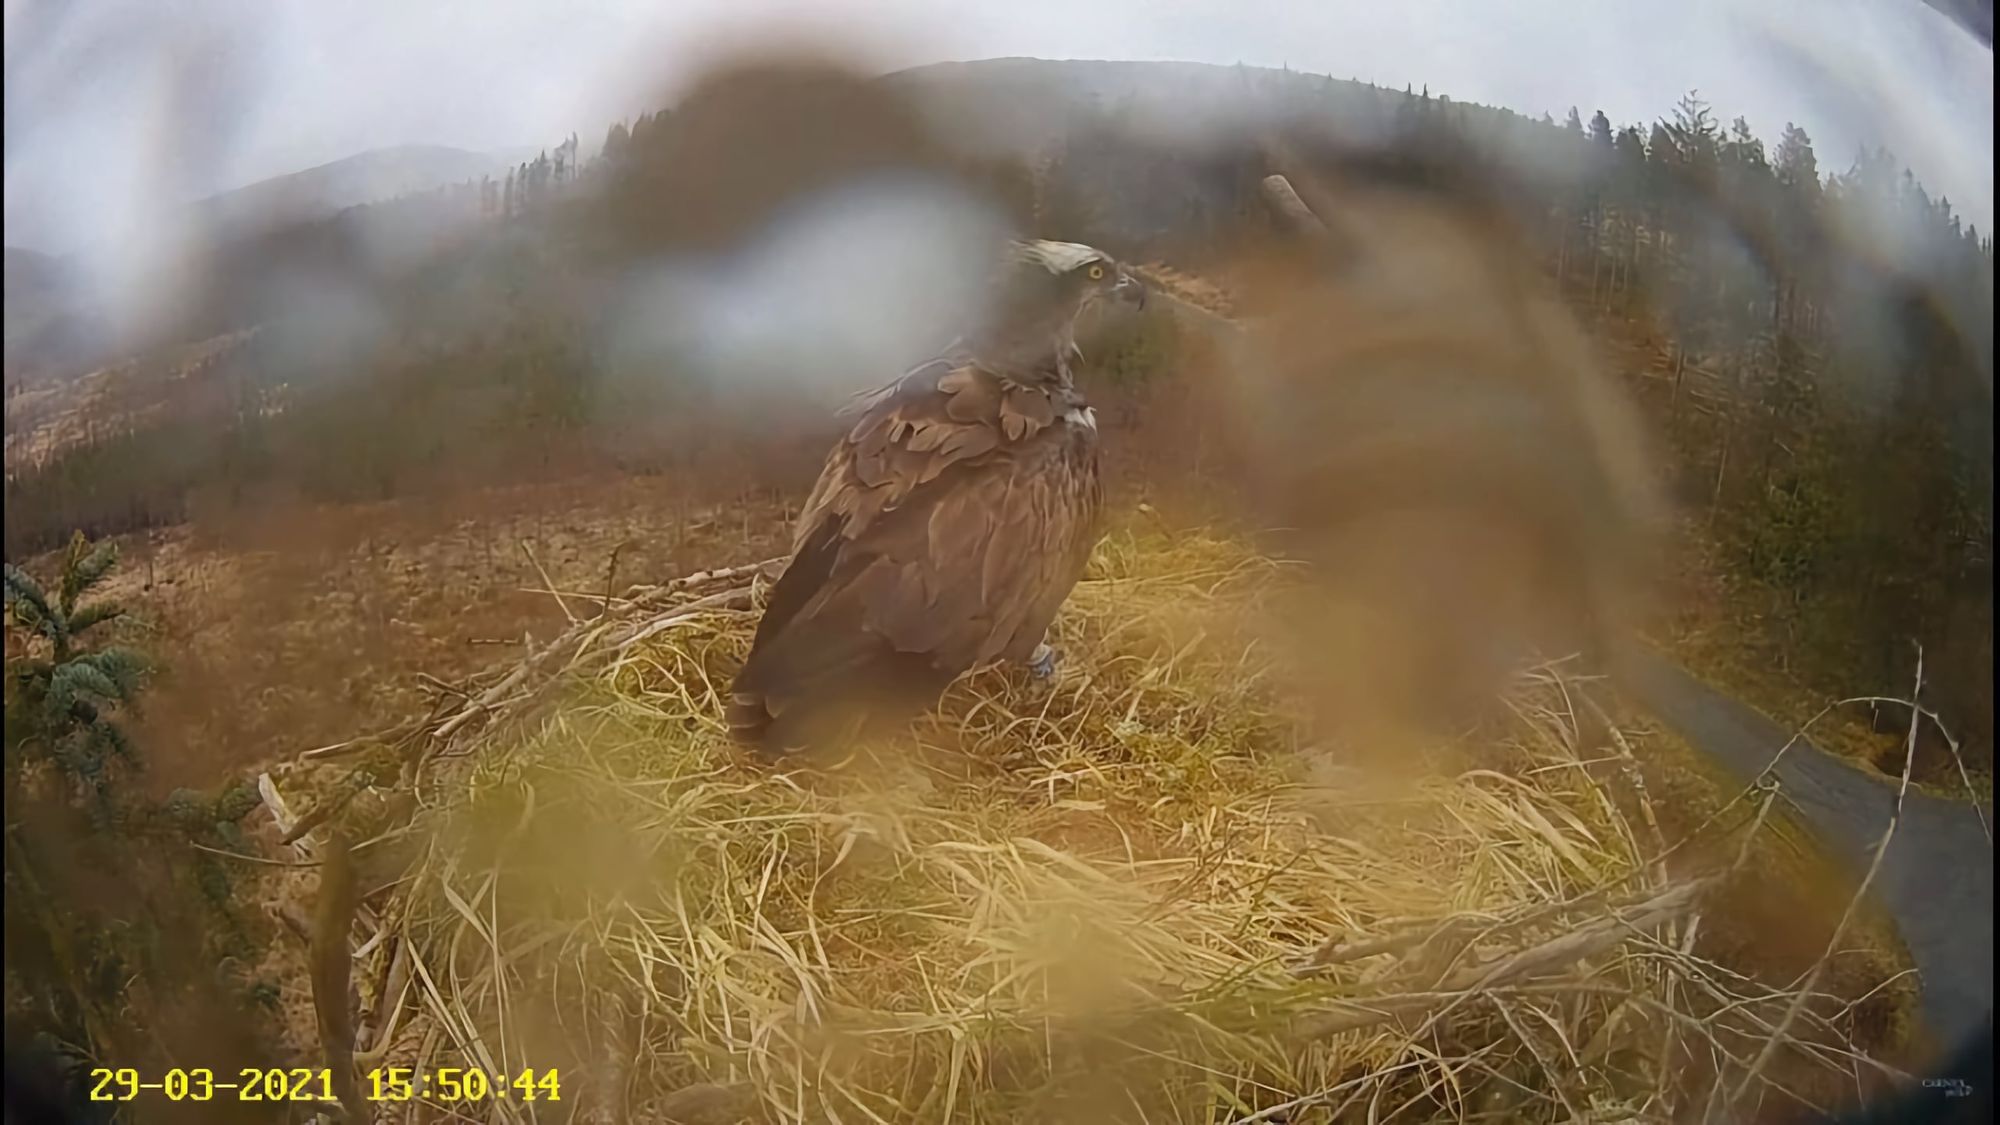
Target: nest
[{"x": 1134, "y": 893}]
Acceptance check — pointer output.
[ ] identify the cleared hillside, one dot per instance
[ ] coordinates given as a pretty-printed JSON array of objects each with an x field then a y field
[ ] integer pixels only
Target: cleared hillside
[{"x": 328, "y": 189}]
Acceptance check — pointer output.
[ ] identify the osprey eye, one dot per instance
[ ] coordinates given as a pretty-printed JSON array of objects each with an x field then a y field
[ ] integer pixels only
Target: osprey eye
[{"x": 1097, "y": 273}]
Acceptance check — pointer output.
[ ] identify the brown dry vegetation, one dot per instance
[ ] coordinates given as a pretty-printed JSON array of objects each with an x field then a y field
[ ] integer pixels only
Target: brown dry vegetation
[
  {"x": 283, "y": 623},
  {"x": 1090, "y": 901},
  {"x": 48, "y": 418},
  {"x": 301, "y": 626}
]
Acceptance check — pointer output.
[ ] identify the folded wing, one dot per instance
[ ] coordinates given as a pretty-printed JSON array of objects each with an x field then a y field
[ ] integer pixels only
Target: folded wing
[{"x": 945, "y": 531}]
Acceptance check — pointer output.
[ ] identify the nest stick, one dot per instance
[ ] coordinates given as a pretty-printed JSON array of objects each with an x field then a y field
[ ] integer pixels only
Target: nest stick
[{"x": 332, "y": 973}]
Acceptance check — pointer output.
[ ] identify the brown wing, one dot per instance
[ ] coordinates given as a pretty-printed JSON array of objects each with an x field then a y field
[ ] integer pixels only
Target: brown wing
[{"x": 944, "y": 532}]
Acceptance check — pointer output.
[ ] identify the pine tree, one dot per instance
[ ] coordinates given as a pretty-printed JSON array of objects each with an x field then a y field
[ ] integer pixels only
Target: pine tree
[
  {"x": 615, "y": 141},
  {"x": 1694, "y": 123},
  {"x": 1796, "y": 166},
  {"x": 1600, "y": 130},
  {"x": 1661, "y": 148},
  {"x": 1627, "y": 186},
  {"x": 1745, "y": 148},
  {"x": 63, "y": 695}
]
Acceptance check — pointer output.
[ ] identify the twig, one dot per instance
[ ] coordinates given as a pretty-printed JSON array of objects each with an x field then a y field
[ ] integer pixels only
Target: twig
[
  {"x": 584, "y": 639},
  {"x": 268, "y": 862},
  {"x": 362, "y": 742},
  {"x": 1334, "y": 952},
  {"x": 634, "y": 599},
  {"x": 325, "y": 810},
  {"x": 282, "y": 816},
  {"x": 645, "y": 594},
  {"x": 610, "y": 576},
  {"x": 1957, "y": 757},
  {"x": 1548, "y": 1068},
  {"x": 440, "y": 686},
  {"x": 579, "y": 595},
  {"x": 493, "y": 695},
  {"x": 1555, "y": 953},
  {"x": 389, "y": 1004},
  {"x": 1783, "y": 1031},
  {"x": 336, "y": 748},
  {"x": 707, "y": 1103},
  {"x": 267, "y": 791},
  {"x": 728, "y": 599},
  {"x": 1283, "y": 1110},
  {"x": 547, "y": 582},
  {"x": 1636, "y": 778},
  {"x": 332, "y": 973},
  {"x": 1669, "y": 1032}
]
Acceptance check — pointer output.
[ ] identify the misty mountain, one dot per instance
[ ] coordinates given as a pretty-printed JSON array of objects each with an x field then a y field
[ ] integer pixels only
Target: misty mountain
[
  {"x": 1149, "y": 159},
  {"x": 36, "y": 292},
  {"x": 46, "y": 325},
  {"x": 1019, "y": 106},
  {"x": 51, "y": 331},
  {"x": 30, "y": 268},
  {"x": 331, "y": 221},
  {"x": 329, "y": 189}
]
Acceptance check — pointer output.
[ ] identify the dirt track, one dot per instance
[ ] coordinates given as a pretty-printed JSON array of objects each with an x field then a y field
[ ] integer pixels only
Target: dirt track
[{"x": 1937, "y": 880}]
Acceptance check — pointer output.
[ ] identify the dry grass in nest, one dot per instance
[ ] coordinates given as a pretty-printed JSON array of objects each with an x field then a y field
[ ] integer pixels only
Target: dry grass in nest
[{"x": 1126, "y": 895}]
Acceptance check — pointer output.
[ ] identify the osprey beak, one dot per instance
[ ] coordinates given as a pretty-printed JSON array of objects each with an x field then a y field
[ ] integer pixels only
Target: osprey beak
[{"x": 1131, "y": 290}]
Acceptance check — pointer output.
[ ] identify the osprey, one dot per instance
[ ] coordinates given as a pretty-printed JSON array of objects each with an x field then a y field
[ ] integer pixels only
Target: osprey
[{"x": 948, "y": 525}]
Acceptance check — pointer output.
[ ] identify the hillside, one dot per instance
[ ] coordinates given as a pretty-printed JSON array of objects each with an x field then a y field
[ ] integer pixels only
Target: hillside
[
  {"x": 243, "y": 240},
  {"x": 1023, "y": 105},
  {"x": 34, "y": 273},
  {"x": 328, "y": 189},
  {"x": 1170, "y": 142},
  {"x": 48, "y": 326},
  {"x": 36, "y": 291}
]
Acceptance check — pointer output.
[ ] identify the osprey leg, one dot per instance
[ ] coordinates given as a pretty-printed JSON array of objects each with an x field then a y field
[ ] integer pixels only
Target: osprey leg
[{"x": 1042, "y": 662}]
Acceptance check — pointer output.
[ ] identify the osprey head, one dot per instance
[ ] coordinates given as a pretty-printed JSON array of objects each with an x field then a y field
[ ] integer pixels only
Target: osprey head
[
  {"x": 1044, "y": 288},
  {"x": 1075, "y": 275}
]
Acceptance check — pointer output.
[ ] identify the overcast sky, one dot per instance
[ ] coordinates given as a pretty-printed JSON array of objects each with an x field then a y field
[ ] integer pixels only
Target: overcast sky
[{"x": 114, "y": 107}]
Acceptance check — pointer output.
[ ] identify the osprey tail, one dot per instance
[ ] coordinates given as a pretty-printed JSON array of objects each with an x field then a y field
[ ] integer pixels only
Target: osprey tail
[{"x": 838, "y": 704}]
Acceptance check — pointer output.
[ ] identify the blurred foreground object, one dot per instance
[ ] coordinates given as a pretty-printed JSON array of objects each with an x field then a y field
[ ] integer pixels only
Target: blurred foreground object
[
  {"x": 757, "y": 135},
  {"x": 1428, "y": 427},
  {"x": 948, "y": 526}
]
